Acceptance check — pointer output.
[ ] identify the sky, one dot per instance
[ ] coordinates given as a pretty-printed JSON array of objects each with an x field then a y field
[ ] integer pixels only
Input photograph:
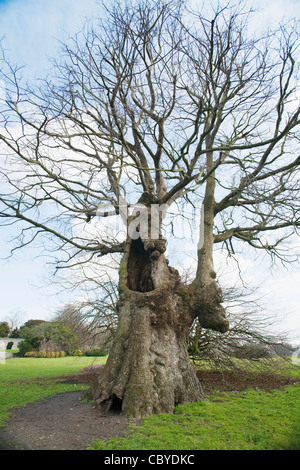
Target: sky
[{"x": 30, "y": 30}]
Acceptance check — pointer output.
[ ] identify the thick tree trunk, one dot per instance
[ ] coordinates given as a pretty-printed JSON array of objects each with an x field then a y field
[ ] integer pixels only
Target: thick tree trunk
[{"x": 148, "y": 370}]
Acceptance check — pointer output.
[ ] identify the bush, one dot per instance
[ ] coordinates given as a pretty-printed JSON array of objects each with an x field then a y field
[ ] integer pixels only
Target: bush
[
  {"x": 78, "y": 352},
  {"x": 96, "y": 352},
  {"x": 42, "y": 354},
  {"x": 4, "y": 329},
  {"x": 30, "y": 354}
]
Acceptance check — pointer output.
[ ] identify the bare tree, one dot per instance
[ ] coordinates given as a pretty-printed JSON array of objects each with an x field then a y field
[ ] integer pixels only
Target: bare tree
[
  {"x": 154, "y": 105},
  {"x": 14, "y": 319},
  {"x": 93, "y": 319}
]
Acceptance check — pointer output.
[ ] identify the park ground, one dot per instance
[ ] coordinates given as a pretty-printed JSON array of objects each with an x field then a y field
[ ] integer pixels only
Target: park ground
[{"x": 42, "y": 408}]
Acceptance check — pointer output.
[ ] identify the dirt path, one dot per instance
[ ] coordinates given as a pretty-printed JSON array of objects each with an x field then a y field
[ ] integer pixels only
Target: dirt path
[{"x": 60, "y": 422}]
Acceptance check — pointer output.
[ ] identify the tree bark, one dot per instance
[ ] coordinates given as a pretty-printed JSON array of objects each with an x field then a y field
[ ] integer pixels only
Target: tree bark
[
  {"x": 205, "y": 291},
  {"x": 148, "y": 370}
]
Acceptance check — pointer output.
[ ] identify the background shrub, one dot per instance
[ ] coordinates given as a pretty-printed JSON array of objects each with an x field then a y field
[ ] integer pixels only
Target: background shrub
[
  {"x": 78, "y": 352},
  {"x": 45, "y": 354},
  {"x": 30, "y": 354},
  {"x": 96, "y": 352},
  {"x": 42, "y": 354}
]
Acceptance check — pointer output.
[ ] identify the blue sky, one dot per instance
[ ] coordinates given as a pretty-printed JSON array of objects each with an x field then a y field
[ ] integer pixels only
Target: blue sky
[{"x": 29, "y": 29}]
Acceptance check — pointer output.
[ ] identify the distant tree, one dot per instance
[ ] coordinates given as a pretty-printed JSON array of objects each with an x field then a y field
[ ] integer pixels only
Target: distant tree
[
  {"x": 93, "y": 320},
  {"x": 28, "y": 326},
  {"x": 42, "y": 332},
  {"x": 4, "y": 329},
  {"x": 15, "y": 333},
  {"x": 78, "y": 322},
  {"x": 61, "y": 335},
  {"x": 31, "y": 324},
  {"x": 14, "y": 318}
]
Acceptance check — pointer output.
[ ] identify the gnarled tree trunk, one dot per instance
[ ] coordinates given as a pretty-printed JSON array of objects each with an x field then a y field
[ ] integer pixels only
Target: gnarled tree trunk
[{"x": 149, "y": 370}]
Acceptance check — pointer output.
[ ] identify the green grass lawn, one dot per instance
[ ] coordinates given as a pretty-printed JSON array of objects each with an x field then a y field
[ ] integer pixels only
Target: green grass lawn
[
  {"x": 248, "y": 420},
  {"x": 252, "y": 420},
  {"x": 20, "y": 379}
]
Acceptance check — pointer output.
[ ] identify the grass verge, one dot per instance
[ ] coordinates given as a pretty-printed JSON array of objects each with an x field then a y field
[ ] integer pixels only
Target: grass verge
[{"x": 251, "y": 420}]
